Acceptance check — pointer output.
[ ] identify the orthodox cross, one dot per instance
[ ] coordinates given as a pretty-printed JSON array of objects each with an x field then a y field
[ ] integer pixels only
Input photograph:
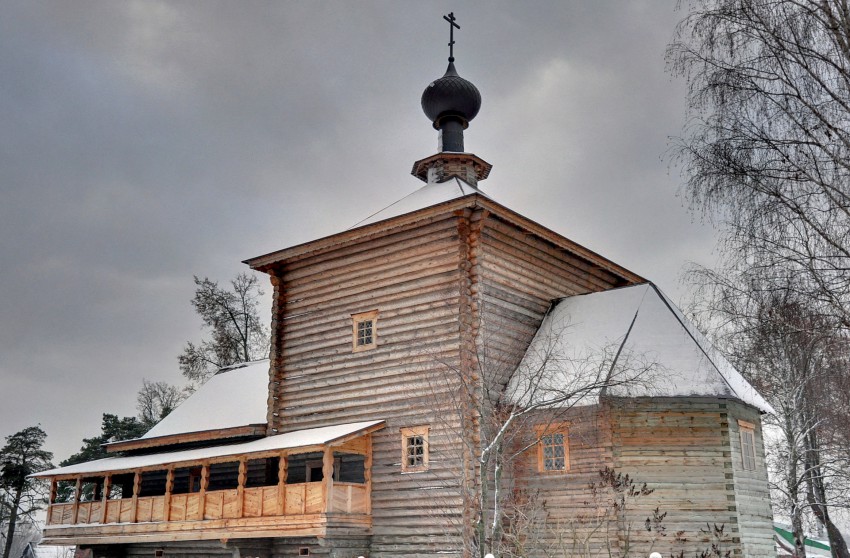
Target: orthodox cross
[{"x": 452, "y": 25}]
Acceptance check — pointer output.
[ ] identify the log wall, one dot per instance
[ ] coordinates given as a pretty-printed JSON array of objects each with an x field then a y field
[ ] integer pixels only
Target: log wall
[
  {"x": 561, "y": 501},
  {"x": 521, "y": 276},
  {"x": 412, "y": 276},
  {"x": 752, "y": 493},
  {"x": 681, "y": 448}
]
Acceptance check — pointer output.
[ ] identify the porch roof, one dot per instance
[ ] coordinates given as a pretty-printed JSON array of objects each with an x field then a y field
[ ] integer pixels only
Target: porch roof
[{"x": 291, "y": 440}]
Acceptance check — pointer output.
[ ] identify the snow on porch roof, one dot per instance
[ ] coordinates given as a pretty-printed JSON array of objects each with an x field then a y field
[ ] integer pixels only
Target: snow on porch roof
[
  {"x": 235, "y": 396},
  {"x": 431, "y": 194},
  {"x": 630, "y": 327},
  {"x": 290, "y": 440}
]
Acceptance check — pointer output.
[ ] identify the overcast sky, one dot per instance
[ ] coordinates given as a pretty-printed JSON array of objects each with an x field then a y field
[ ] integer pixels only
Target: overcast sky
[{"x": 142, "y": 143}]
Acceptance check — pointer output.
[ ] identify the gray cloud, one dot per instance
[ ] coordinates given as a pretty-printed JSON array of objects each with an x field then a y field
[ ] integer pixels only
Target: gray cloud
[{"x": 144, "y": 142}]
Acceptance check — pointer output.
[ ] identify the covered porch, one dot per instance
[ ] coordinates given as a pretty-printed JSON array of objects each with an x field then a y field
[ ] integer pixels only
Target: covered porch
[{"x": 295, "y": 484}]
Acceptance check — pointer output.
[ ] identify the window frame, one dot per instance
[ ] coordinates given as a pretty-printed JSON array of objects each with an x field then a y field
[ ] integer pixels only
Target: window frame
[
  {"x": 552, "y": 429},
  {"x": 358, "y": 319},
  {"x": 411, "y": 432},
  {"x": 747, "y": 428}
]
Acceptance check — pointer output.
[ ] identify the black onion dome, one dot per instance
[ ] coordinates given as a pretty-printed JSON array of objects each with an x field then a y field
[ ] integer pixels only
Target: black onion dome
[{"x": 451, "y": 95}]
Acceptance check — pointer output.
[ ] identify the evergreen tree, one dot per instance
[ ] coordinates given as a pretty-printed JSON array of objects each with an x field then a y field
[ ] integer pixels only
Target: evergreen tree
[{"x": 20, "y": 457}]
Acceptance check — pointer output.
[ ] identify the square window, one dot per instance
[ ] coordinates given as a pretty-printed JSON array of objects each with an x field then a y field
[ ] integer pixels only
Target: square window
[
  {"x": 365, "y": 334},
  {"x": 748, "y": 445},
  {"x": 414, "y": 444},
  {"x": 553, "y": 448}
]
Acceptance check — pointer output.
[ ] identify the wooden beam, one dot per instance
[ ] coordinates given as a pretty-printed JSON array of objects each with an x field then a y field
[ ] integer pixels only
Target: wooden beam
[
  {"x": 76, "y": 507},
  {"x": 281, "y": 483},
  {"x": 240, "y": 486},
  {"x": 327, "y": 478},
  {"x": 107, "y": 487},
  {"x": 202, "y": 495},
  {"x": 137, "y": 487},
  {"x": 367, "y": 474},
  {"x": 169, "y": 487},
  {"x": 53, "y": 488}
]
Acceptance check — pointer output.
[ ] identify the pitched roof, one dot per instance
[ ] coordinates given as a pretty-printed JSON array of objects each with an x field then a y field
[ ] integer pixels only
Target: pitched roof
[
  {"x": 290, "y": 440},
  {"x": 636, "y": 335},
  {"x": 235, "y": 396},
  {"x": 430, "y": 194}
]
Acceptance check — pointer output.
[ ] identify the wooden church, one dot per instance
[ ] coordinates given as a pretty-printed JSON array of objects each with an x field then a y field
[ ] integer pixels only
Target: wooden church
[{"x": 444, "y": 376}]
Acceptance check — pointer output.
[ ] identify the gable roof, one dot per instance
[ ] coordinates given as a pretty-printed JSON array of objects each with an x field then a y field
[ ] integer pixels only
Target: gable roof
[
  {"x": 636, "y": 335},
  {"x": 431, "y": 200}
]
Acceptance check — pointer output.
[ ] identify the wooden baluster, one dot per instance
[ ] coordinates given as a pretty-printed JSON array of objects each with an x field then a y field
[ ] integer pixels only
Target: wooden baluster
[
  {"x": 137, "y": 487},
  {"x": 202, "y": 495},
  {"x": 328, "y": 478},
  {"x": 367, "y": 474},
  {"x": 76, "y": 506},
  {"x": 240, "y": 487},
  {"x": 169, "y": 486},
  {"x": 281, "y": 483},
  {"x": 104, "y": 498}
]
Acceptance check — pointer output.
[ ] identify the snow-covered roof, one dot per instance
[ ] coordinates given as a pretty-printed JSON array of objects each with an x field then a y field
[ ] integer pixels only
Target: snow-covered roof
[
  {"x": 629, "y": 342},
  {"x": 290, "y": 440},
  {"x": 235, "y": 396},
  {"x": 432, "y": 193}
]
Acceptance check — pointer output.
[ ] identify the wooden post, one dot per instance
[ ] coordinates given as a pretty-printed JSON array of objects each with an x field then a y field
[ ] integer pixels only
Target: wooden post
[
  {"x": 240, "y": 487},
  {"x": 137, "y": 487},
  {"x": 328, "y": 478},
  {"x": 76, "y": 506},
  {"x": 51, "y": 499},
  {"x": 367, "y": 474},
  {"x": 281, "y": 483},
  {"x": 169, "y": 486},
  {"x": 202, "y": 495},
  {"x": 104, "y": 501}
]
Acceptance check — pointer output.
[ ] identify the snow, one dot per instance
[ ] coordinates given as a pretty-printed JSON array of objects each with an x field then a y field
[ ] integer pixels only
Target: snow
[
  {"x": 633, "y": 333},
  {"x": 235, "y": 396},
  {"x": 431, "y": 194},
  {"x": 290, "y": 440}
]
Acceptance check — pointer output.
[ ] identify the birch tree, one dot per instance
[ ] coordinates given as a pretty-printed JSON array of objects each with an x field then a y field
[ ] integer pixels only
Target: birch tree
[
  {"x": 796, "y": 357},
  {"x": 766, "y": 148}
]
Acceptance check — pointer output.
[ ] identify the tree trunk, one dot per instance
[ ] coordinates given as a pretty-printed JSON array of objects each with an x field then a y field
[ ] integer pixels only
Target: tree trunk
[
  {"x": 817, "y": 498},
  {"x": 13, "y": 519},
  {"x": 792, "y": 486}
]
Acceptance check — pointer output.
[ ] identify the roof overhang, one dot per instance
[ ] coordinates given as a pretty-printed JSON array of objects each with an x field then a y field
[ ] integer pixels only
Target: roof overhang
[
  {"x": 300, "y": 441},
  {"x": 250, "y": 430}
]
